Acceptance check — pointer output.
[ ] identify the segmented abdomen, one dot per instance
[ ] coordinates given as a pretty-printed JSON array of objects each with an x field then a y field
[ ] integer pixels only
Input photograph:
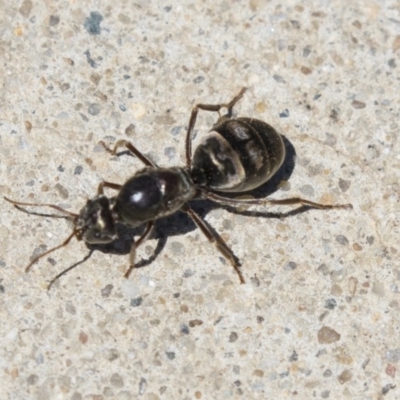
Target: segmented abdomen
[{"x": 238, "y": 155}]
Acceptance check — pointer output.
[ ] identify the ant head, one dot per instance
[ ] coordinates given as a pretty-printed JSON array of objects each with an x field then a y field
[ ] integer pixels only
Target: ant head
[{"x": 95, "y": 223}]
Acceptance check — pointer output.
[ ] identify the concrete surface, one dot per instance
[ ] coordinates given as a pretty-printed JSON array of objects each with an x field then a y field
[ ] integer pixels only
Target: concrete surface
[{"x": 319, "y": 315}]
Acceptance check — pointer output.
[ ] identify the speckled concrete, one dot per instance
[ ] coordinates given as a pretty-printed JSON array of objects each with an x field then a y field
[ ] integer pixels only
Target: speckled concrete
[{"x": 319, "y": 315}]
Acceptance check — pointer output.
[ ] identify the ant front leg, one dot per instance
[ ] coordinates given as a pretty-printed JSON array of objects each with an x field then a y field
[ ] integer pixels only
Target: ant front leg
[
  {"x": 132, "y": 149},
  {"x": 206, "y": 107}
]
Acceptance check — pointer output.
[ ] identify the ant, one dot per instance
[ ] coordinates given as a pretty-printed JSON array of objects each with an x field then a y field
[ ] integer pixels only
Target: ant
[{"x": 236, "y": 156}]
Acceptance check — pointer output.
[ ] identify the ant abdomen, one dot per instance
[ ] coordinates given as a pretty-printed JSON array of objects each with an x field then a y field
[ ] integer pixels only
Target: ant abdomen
[{"x": 238, "y": 155}]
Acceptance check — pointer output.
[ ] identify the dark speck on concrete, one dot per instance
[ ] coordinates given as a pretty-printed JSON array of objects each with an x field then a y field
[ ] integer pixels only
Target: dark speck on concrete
[
  {"x": 279, "y": 79},
  {"x": 130, "y": 130},
  {"x": 52, "y": 261},
  {"x": 393, "y": 355},
  {"x": 284, "y": 113},
  {"x": 387, "y": 387},
  {"x": 290, "y": 266},
  {"x": 342, "y": 239},
  {"x": 330, "y": 304},
  {"x": 185, "y": 329},
  {"x": 199, "y": 79},
  {"x": 84, "y": 117},
  {"x": 334, "y": 116},
  {"x": 62, "y": 191},
  {"x": 344, "y": 185},
  {"x": 306, "y": 51},
  {"x": 170, "y": 152},
  {"x": 106, "y": 291},
  {"x": 94, "y": 109},
  {"x": 325, "y": 394},
  {"x": 233, "y": 337},
  {"x": 60, "y": 168},
  {"x": 294, "y": 356},
  {"x": 54, "y": 20},
  {"x": 392, "y": 63},
  {"x": 188, "y": 273},
  {"x": 32, "y": 379},
  {"x": 78, "y": 170},
  {"x": 176, "y": 130},
  {"x": 92, "y": 23},
  {"x": 90, "y": 60},
  {"x": 136, "y": 302}
]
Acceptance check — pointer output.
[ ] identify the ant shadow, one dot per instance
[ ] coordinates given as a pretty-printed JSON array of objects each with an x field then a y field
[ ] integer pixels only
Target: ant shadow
[{"x": 180, "y": 223}]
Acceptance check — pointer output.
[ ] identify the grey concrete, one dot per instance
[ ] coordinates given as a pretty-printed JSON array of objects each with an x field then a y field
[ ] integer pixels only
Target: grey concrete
[{"x": 319, "y": 315}]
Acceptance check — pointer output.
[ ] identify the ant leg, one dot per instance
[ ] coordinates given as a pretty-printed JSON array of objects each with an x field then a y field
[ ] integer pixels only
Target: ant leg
[
  {"x": 135, "y": 245},
  {"x": 206, "y": 107},
  {"x": 213, "y": 237},
  {"x": 132, "y": 149},
  {"x": 290, "y": 201},
  {"x": 110, "y": 185}
]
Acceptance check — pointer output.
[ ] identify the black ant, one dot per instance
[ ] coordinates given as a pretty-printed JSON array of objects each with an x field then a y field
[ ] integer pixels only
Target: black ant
[{"x": 238, "y": 155}]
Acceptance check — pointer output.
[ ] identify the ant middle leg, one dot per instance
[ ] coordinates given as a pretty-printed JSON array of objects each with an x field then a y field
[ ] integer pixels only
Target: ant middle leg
[{"x": 207, "y": 107}]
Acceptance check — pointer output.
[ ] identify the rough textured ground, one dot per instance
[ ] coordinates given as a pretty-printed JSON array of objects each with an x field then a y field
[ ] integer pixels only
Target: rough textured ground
[{"x": 319, "y": 315}]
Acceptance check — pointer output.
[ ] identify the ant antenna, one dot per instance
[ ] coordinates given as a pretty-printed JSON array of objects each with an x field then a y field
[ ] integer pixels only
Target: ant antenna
[
  {"x": 17, "y": 205},
  {"x": 70, "y": 216}
]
